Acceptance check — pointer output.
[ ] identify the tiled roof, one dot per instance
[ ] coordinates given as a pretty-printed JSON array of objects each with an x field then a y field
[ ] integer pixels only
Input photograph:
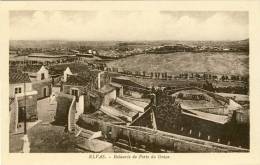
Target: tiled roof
[
  {"x": 56, "y": 71},
  {"x": 18, "y": 77},
  {"x": 27, "y": 68},
  {"x": 78, "y": 68},
  {"x": 85, "y": 74},
  {"x": 76, "y": 80},
  {"x": 14, "y": 70},
  {"x": 74, "y": 67},
  {"x": 32, "y": 68}
]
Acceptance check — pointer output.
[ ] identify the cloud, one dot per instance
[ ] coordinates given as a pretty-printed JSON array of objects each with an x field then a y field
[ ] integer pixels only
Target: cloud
[{"x": 125, "y": 25}]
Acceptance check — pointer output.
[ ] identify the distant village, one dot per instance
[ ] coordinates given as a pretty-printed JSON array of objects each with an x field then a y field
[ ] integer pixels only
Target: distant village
[
  {"x": 112, "y": 109},
  {"x": 125, "y": 49}
]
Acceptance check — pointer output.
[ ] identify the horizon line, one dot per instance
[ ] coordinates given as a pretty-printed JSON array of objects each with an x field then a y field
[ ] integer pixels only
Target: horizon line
[{"x": 116, "y": 40}]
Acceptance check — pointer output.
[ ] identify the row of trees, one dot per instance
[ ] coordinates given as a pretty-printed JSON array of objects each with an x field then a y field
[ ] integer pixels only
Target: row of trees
[
  {"x": 227, "y": 89},
  {"x": 165, "y": 75}
]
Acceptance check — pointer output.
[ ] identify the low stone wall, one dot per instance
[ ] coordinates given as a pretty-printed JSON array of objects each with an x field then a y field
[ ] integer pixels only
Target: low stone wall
[
  {"x": 156, "y": 140},
  {"x": 13, "y": 114},
  {"x": 71, "y": 115}
]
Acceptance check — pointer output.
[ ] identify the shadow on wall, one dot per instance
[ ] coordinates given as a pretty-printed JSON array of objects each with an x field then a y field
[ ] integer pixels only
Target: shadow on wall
[{"x": 63, "y": 105}]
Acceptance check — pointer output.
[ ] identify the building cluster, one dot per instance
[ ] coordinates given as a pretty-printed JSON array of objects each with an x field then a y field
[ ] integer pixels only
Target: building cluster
[
  {"x": 117, "y": 54},
  {"x": 95, "y": 102},
  {"x": 191, "y": 48},
  {"x": 26, "y": 86},
  {"x": 29, "y": 83},
  {"x": 113, "y": 107},
  {"x": 50, "y": 59},
  {"x": 144, "y": 113}
]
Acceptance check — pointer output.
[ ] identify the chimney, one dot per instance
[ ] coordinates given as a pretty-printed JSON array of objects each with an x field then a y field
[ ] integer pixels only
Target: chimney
[
  {"x": 65, "y": 76},
  {"x": 99, "y": 79},
  {"x": 66, "y": 73},
  {"x": 153, "y": 99}
]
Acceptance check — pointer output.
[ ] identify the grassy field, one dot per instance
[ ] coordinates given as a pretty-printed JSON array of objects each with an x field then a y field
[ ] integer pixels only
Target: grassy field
[{"x": 236, "y": 63}]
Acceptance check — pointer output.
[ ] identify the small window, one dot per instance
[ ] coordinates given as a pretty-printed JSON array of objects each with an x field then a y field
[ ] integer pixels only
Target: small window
[
  {"x": 75, "y": 92},
  {"x": 42, "y": 76},
  {"x": 17, "y": 90}
]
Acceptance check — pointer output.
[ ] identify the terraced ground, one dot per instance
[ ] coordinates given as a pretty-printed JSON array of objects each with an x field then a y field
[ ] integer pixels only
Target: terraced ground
[{"x": 236, "y": 63}]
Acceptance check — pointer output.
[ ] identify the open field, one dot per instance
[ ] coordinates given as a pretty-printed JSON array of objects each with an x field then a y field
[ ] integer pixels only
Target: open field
[
  {"x": 112, "y": 44},
  {"x": 236, "y": 63}
]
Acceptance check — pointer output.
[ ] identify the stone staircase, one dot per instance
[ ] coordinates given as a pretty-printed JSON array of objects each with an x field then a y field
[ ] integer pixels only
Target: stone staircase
[
  {"x": 87, "y": 141},
  {"x": 81, "y": 132},
  {"x": 83, "y": 136}
]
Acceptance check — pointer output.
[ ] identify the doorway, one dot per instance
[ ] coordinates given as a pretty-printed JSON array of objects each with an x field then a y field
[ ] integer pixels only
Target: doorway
[
  {"x": 20, "y": 114},
  {"x": 45, "y": 92},
  {"x": 75, "y": 92},
  {"x": 117, "y": 92}
]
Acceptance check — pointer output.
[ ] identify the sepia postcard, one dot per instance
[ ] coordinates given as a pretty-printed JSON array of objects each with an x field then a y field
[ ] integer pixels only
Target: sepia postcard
[{"x": 130, "y": 82}]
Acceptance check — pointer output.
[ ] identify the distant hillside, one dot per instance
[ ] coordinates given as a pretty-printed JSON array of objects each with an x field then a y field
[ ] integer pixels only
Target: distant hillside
[
  {"x": 222, "y": 63},
  {"x": 56, "y": 44},
  {"x": 107, "y": 44}
]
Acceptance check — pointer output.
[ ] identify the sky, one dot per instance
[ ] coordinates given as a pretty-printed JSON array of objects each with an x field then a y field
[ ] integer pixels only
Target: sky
[{"x": 128, "y": 25}]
